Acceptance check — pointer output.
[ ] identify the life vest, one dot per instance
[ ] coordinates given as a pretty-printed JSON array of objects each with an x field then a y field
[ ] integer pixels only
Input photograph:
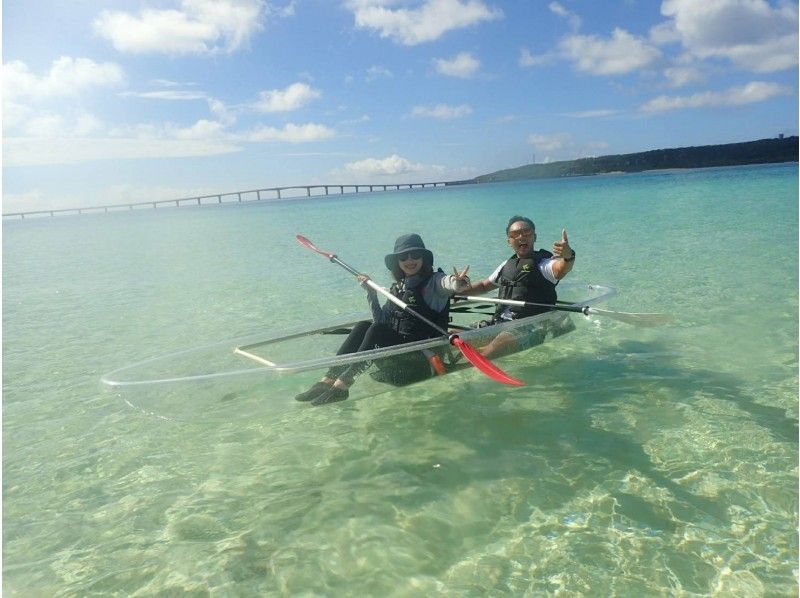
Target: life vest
[
  {"x": 410, "y": 327},
  {"x": 521, "y": 280}
]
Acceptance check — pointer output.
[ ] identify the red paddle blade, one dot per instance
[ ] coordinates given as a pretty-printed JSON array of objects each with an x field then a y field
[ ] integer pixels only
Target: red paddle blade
[
  {"x": 483, "y": 364},
  {"x": 306, "y": 243}
]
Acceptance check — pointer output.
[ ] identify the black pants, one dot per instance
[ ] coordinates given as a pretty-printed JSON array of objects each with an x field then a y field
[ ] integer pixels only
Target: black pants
[{"x": 399, "y": 369}]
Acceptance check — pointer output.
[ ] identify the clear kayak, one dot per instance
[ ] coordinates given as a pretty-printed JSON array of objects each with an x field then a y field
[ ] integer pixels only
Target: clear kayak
[{"x": 270, "y": 361}]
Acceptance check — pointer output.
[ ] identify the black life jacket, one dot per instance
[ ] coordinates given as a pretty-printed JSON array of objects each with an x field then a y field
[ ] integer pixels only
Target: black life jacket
[
  {"x": 410, "y": 327},
  {"x": 521, "y": 280}
]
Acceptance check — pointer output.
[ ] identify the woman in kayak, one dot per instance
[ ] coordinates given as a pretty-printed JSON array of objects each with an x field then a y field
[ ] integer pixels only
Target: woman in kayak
[{"x": 426, "y": 291}]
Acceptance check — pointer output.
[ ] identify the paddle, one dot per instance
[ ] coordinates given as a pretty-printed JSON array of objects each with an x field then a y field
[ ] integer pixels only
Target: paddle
[
  {"x": 636, "y": 319},
  {"x": 470, "y": 353}
]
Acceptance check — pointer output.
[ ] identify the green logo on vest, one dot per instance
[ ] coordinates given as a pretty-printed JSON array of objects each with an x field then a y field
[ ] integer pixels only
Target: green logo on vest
[{"x": 526, "y": 267}]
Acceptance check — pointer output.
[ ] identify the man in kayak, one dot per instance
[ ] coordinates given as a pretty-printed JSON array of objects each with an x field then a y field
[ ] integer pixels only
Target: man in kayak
[
  {"x": 416, "y": 284},
  {"x": 528, "y": 275}
]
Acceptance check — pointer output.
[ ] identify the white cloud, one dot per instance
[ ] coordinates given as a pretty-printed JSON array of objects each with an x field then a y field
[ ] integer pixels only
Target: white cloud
[
  {"x": 221, "y": 111},
  {"x": 679, "y": 76},
  {"x": 464, "y": 65},
  {"x": 549, "y": 143},
  {"x": 45, "y": 125},
  {"x": 285, "y": 100},
  {"x": 198, "y": 27},
  {"x": 755, "y": 91},
  {"x": 170, "y": 83},
  {"x": 426, "y": 22},
  {"x": 391, "y": 165},
  {"x": 664, "y": 33},
  {"x": 167, "y": 94},
  {"x": 621, "y": 54},
  {"x": 750, "y": 33},
  {"x": 48, "y": 124},
  {"x": 287, "y": 10},
  {"x": 528, "y": 59},
  {"x": 52, "y": 140},
  {"x": 202, "y": 129},
  {"x": 38, "y": 151},
  {"x": 291, "y": 133},
  {"x": 442, "y": 111},
  {"x": 87, "y": 124},
  {"x": 67, "y": 77},
  {"x": 600, "y": 113},
  {"x": 378, "y": 72},
  {"x": 573, "y": 19}
]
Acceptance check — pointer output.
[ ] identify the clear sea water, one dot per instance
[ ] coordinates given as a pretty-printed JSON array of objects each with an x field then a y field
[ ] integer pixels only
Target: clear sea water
[{"x": 636, "y": 461}]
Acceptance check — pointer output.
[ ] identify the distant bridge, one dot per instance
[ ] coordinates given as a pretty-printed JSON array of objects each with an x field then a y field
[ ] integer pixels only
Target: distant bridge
[{"x": 271, "y": 193}]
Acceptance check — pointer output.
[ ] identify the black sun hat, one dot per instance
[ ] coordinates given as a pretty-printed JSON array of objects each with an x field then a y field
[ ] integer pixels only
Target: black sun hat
[{"x": 404, "y": 244}]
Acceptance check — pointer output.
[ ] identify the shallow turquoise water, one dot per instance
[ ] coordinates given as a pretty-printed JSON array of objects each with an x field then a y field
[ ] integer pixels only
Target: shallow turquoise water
[{"x": 635, "y": 461}]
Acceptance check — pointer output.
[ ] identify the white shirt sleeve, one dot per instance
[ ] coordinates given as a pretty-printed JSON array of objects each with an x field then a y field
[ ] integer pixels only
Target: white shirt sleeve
[
  {"x": 546, "y": 268},
  {"x": 495, "y": 276}
]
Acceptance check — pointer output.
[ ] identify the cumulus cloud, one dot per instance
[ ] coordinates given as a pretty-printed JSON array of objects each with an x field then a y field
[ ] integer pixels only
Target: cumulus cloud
[
  {"x": 391, "y": 165},
  {"x": 26, "y": 94},
  {"x": 426, "y": 22},
  {"x": 442, "y": 111},
  {"x": 291, "y": 133},
  {"x": 221, "y": 111},
  {"x": 755, "y": 91},
  {"x": 67, "y": 77},
  {"x": 464, "y": 66},
  {"x": 197, "y": 27},
  {"x": 293, "y": 97},
  {"x": 549, "y": 143},
  {"x": 202, "y": 129},
  {"x": 750, "y": 33},
  {"x": 618, "y": 55}
]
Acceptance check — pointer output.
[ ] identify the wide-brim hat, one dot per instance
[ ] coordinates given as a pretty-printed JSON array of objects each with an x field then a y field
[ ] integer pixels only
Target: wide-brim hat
[{"x": 404, "y": 244}]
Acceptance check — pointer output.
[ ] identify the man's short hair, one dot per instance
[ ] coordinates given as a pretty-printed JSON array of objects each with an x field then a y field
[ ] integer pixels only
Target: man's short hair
[{"x": 514, "y": 219}]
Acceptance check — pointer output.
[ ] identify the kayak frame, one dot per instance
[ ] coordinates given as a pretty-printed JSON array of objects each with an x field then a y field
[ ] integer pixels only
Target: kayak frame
[
  {"x": 467, "y": 334},
  {"x": 245, "y": 347}
]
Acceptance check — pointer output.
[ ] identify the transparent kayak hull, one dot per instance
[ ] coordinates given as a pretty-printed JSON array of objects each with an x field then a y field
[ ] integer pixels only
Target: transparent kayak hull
[{"x": 283, "y": 363}]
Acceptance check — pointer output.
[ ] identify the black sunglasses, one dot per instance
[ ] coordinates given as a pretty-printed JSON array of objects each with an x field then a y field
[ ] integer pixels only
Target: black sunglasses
[{"x": 409, "y": 255}]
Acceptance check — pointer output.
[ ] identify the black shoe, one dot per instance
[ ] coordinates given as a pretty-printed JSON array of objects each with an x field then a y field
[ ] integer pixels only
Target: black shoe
[
  {"x": 334, "y": 395},
  {"x": 319, "y": 389}
]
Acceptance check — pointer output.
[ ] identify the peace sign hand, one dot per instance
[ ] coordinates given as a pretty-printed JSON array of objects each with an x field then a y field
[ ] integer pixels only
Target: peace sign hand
[{"x": 461, "y": 279}]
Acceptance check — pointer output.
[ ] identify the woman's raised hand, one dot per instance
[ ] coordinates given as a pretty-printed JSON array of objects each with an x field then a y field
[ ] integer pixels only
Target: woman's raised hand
[{"x": 461, "y": 278}]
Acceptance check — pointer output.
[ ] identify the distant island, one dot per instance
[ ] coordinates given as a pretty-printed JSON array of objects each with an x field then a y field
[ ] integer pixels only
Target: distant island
[{"x": 763, "y": 151}]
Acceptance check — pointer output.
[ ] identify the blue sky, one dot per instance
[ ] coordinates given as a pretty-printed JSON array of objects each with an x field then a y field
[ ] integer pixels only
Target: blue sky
[{"x": 119, "y": 101}]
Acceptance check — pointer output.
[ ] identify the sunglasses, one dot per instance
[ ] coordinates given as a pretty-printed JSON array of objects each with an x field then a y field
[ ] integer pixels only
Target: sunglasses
[
  {"x": 522, "y": 232},
  {"x": 409, "y": 255}
]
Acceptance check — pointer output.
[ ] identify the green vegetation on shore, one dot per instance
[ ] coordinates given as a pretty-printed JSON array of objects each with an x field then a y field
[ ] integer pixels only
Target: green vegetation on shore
[{"x": 763, "y": 151}]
